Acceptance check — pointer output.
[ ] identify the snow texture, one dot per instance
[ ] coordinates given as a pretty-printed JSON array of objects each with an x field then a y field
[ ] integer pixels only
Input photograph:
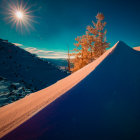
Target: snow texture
[{"x": 10, "y": 91}]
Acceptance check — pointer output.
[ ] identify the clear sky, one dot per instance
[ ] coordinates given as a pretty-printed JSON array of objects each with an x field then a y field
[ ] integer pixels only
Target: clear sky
[{"x": 59, "y": 22}]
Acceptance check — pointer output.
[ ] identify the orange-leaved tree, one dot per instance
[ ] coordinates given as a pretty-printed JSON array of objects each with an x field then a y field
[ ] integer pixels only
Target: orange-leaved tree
[{"x": 91, "y": 45}]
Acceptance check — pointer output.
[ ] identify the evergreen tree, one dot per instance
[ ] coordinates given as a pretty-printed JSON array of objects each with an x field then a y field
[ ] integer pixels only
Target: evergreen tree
[
  {"x": 91, "y": 45},
  {"x": 81, "y": 53},
  {"x": 99, "y": 43}
]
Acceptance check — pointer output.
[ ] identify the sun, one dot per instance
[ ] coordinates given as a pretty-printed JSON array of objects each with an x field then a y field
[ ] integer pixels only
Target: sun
[{"x": 20, "y": 15}]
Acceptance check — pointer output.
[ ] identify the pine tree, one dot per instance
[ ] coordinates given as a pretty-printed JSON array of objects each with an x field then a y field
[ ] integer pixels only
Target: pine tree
[
  {"x": 99, "y": 43},
  {"x": 91, "y": 45},
  {"x": 81, "y": 53}
]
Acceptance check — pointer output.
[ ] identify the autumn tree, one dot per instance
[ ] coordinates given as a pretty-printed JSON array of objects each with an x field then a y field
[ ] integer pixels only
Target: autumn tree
[
  {"x": 91, "y": 45},
  {"x": 98, "y": 33},
  {"x": 80, "y": 53}
]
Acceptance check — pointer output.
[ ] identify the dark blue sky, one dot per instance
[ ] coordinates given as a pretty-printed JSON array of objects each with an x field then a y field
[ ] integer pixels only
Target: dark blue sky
[{"x": 61, "y": 21}]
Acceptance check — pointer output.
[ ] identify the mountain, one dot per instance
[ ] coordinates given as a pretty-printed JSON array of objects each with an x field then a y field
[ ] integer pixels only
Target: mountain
[
  {"x": 20, "y": 66},
  {"x": 100, "y": 101}
]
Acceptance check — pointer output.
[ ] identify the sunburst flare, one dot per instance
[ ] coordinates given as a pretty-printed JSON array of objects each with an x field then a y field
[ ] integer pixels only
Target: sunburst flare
[{"x": 20, "y": 15}]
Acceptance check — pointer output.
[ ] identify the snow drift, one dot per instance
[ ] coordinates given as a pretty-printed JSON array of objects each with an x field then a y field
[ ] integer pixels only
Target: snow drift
[{"x": 101, "y": 101}]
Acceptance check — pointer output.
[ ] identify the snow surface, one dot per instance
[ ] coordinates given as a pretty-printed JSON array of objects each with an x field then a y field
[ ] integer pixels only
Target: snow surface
[
  {"x": 101, "y": 101},
  {"x": 137, "y": 48}
]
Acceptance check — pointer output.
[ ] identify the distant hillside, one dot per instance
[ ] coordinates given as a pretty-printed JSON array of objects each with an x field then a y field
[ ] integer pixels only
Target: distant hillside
[
  {"x": 20, "y": 66},
  {"x": 60, "y": 63}
]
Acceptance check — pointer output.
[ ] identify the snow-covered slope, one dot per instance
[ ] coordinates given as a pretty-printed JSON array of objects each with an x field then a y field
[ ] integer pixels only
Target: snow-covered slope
[
  {"x": 101, "y": 101},
  {"x": 11, "y": 91},
  {"x": 137, "y": 48},
  {"x": 20, "y": 66}
]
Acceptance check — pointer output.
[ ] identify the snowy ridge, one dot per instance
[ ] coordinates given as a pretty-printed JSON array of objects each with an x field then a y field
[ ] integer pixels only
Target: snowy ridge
[{"x": 103, "y": 97}]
